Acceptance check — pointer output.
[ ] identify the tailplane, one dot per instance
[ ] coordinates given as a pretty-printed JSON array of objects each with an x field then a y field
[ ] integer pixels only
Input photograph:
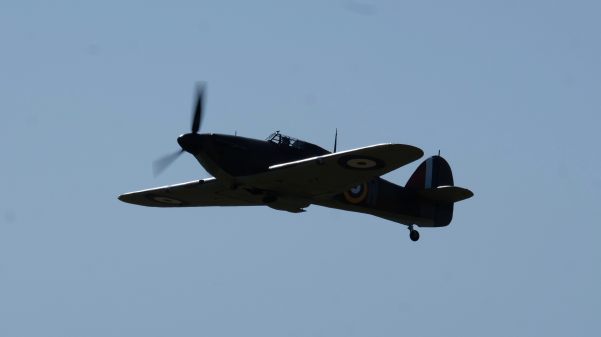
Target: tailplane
[
  {"x": 446, "y": 193},
  {"x": 432, "y": 181}
]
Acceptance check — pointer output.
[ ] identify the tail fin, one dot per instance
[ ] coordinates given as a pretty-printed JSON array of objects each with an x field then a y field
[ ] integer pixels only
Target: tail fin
[
  {"x": 433, "y": 183},
  {"x": 431, "y": 173}
]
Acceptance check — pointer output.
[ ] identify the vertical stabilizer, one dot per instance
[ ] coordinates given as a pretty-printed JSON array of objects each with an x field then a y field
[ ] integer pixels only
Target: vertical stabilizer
[{"x": 431, "y": 173}]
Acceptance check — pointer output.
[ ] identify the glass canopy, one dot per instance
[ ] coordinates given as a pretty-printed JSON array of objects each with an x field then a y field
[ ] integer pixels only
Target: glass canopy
[{"x": 281, "y": 139}]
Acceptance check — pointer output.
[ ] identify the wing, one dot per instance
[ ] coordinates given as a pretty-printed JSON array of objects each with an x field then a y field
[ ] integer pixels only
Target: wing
[
  {"x": 206, "y": 192},
  {"x": 334, "y": 172}
]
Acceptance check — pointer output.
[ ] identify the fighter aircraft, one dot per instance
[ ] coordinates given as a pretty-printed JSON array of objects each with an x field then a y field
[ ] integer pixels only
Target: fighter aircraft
[{"x": 289, "y": 174}]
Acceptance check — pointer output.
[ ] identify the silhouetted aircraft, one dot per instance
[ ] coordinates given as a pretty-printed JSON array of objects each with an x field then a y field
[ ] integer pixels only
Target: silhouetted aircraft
[{"x": 289, "y": 174}]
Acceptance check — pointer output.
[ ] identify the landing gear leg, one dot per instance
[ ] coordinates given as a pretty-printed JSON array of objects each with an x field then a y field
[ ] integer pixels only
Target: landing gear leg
[{"x": 413, "y": 234}]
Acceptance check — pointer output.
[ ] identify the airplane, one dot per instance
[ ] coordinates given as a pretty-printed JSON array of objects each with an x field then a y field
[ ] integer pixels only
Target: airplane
[{"x": 289, "y": 174}]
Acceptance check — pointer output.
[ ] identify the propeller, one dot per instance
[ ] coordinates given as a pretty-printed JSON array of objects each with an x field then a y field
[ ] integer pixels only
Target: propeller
[
  {"x": 197, "y": 116},
  {"x": 161, "y": 164}
]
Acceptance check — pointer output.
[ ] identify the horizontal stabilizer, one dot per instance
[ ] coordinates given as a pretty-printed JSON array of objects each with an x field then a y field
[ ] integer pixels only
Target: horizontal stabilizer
[{"x": 446, "y": 193}]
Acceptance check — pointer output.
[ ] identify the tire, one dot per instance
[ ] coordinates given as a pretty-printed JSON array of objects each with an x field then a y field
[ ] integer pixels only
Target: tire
[{"x": 414, "y": 235}]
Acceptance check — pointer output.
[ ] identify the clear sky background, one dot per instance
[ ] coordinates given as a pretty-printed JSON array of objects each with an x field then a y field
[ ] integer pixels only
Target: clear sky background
[{"x": 92, "y": 92}]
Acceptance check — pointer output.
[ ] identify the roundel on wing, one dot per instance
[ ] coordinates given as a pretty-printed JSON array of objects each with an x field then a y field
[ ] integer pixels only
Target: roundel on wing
[
  {"x": 165, "y": 200},
  {"x": 360, "y": 162},
  {"x": 356, "y": 194}
]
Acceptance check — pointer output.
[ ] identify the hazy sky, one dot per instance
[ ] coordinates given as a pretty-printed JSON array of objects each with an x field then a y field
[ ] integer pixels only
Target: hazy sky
[{"x": 93, "y": 92}]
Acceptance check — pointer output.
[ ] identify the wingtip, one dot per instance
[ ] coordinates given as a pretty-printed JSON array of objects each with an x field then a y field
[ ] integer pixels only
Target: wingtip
[
  {"x": 124, "y": 198},
  {"x": 416, "y": 151}
]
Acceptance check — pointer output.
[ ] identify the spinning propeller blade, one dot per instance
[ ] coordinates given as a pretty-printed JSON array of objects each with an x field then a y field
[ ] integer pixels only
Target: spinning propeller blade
[
  {"x": 161, "y": 164},
  {"x": 197, "y": 117}
]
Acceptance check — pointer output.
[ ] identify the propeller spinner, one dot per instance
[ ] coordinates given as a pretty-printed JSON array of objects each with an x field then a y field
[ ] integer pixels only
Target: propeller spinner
[{"x": 162, "y": 163}]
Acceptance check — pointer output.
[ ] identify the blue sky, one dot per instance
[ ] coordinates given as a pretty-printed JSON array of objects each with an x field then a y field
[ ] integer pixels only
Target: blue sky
[{"x": 92, "y": 93}]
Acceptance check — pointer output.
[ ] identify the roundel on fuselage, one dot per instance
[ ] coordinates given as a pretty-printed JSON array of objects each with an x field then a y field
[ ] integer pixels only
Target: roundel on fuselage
[{"x": 356, "y": 194}]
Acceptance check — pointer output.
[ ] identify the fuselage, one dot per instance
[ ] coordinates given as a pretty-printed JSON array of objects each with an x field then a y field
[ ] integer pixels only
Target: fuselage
[{"x": 238, "y": 156}]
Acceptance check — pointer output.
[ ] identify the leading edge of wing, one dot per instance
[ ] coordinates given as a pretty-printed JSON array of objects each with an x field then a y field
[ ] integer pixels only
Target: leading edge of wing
[
  {"x": 149, "y": 196},
  {"x": 334, "y": 172},
  {"x": 206, "y": 192},
  {"x": 382, "y": 152}
]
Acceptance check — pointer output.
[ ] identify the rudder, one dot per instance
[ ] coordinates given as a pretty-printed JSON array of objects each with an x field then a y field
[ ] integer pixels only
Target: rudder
[{"x": 431, "y": 173}]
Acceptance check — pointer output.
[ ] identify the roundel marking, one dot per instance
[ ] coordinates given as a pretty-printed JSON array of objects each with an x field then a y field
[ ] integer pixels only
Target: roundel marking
[
  {"x": 165, "y": 200},
  {"x": 356, "y": 194},
  {"x": 360, "y": 162}
]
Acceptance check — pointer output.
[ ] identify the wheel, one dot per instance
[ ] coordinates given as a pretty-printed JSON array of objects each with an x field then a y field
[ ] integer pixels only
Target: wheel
[{"x": 414, "y": 235}]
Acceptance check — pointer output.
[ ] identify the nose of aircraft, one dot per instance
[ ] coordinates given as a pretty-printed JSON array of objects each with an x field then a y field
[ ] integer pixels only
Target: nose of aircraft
[{"x": 191, "y": 142}]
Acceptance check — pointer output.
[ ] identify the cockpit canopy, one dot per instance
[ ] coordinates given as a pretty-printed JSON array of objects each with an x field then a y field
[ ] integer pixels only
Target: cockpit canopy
[
  {"x": 283, "y": 140},
  {"x": 280, "y": 139}
]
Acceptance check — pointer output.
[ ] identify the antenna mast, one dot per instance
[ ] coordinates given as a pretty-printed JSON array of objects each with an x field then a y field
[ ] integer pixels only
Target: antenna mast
[{"x": 335, "y": 140}]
